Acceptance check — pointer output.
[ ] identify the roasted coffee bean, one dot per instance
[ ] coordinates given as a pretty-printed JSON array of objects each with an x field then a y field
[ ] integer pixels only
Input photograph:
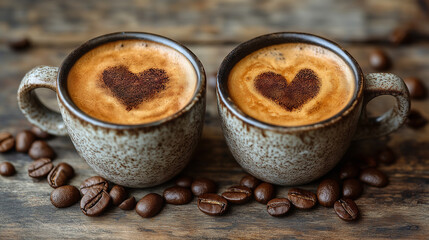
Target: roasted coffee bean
[
  {"x": 237, "y": 194},
  {"x": 346, "y": 209},
  {"x": 65, "y": 196},
  {"x": 184, "y": 181},
  {"x": 328, "y": 192},
  {"x": 6, "y": 141},
  {"x": 379, "y": 60},
  {"x": 177, "y": 195},
  {"x": 150, "y": 205},
  {"x": 415, "y": 87},
  {"x": 301, "y": 198},
  {"x": 212, "y": 204},
  {"x": 415, "y": 120},
  {"x": 19, "y": 44},
  {"x": 400, "y": 35},
  {"x": 60, "y": 174},
  {"x": 128, "y": 204},
  {"x": 264, "y": 192},
  {"x": 278, "y": 207},
  {"x": 40, "y": 168},
  {"x": 368, "y": 162},
  {"x": 40, "y": 133},
  {"x": 373, "y": 177},
  {"x": 118, "y": 194},
  {"x": 250, "y": 181},
  {"x": 352, "y": 188},
  {"x": 24, "y": 140},
  {"x": 7, "y": 169},
  {"x": 203, "y": 185},
  {"x": 40, "y": 149},
  {"x": 94, "y": 182},
  {"x": 386, "y": 156},
  {"x": 94, "y": 202},
  {"x": 349, "y": 170}
]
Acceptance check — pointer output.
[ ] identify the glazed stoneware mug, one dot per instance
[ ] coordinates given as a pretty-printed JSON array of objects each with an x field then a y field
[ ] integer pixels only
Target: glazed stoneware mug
[
  {"x": 297, "y": 155},
  {"x": 130, "y": 155}
]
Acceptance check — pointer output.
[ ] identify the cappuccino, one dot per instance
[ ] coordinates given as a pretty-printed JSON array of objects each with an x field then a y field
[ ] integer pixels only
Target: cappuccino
[
  {"x": 291, "y": 84},
  {"x": 131, "y": 82}
]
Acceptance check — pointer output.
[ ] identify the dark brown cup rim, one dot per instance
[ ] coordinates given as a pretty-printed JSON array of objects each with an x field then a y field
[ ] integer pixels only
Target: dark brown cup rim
[
  {"x": 70, "y": 60},
  {"x": 257, "y": 43}
]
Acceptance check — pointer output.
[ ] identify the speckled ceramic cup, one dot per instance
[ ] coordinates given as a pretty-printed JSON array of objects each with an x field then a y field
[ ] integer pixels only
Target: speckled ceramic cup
[
  {"x": 298, "y": 155},
  {"x": 130, "y": 155}
]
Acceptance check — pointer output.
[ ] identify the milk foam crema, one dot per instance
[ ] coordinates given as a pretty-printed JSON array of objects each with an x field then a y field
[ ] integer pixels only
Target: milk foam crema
[
  {"x": 132, "y": 82},
  {"x": 291, "y": 84}
]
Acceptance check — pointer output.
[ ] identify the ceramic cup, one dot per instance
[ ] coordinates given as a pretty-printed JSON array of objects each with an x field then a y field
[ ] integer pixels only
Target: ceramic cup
[
  {"x": 298, "y": 155},
  {"x": 130, "y": 155}
]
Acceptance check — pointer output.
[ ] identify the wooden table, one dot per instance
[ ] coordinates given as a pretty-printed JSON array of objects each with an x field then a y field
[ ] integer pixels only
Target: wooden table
[{"x": 211, "y": 29}]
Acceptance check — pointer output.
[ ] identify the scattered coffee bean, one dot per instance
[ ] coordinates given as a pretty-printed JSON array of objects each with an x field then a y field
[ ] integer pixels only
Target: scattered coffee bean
[
  {"x": 373, "y": 177},
  {"x": 264, "y": 192},
  {"x": 94, "y": 202},
  {"x": 184, "y": 181},
  {"x": 212, "y": 204},
  {"x": 346, "y": 209},
  {"x": 96, "y": 182},
  {"x": 19, "y": 44},
  {"x": 177, "y": 195},
  {"x": 150, "y": 205},
  {"x": 386, "y": 156},
  {"x": 368, "y": 162},
  {"x": 7, "y": 169},
  {"x": 40, "y": 149},
  {"x": 118, "y": 194},
  {"x": 65, "y": 196},
  {"x": 6, "y": 141},
  {"x": 415, "y": 120},
  {"x": 278, "y": 207},
  {"x": 379, "y": 60},
  {"x": 415, "y": 87},
  {"x": 301, "y": 198},
  {"x": 250, "y": 181},
  {"x": 60, "y": 174},
  {"x": 237, "y": 194},
  {"x": 352, "y": 188},
  {"x": 40, "y": 133},
  {"x": 400, "y": 35},
  {"x": 24, "y": 140},
  {"x": 128, "y": 204},
  {"x": 328, "y": 192},
  {"x": 349, "y": 170},
  {"x": 40, "y": 168},
  {"x": 203, "y": 185}
]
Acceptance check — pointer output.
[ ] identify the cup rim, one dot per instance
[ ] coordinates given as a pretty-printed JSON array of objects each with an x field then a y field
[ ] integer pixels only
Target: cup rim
[
  {"x": 252, "y": 45},
  {"x": 71, "y": 59}
]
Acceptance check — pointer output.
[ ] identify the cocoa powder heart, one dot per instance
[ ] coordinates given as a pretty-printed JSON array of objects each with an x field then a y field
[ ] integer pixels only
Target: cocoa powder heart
[
  {"x": 304, "y": 86},
  {"x": 132, "y": 89}
]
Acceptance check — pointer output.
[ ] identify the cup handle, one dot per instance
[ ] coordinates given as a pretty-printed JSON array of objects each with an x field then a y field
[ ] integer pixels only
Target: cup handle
[
  {"x": 377, "y": 84},
  {"x": 33, "y": 109}
]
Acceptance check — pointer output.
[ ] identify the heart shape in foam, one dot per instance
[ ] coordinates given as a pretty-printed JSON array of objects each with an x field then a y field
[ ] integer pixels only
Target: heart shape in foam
[
  {"x": 132, "y": 89},
  {"x": 304, "y": 87}
]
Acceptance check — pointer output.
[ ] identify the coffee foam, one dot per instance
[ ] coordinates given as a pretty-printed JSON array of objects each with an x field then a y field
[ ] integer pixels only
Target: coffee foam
[
  {"x": 291, "y": 104},
  {"x": 131, "y": 82}
]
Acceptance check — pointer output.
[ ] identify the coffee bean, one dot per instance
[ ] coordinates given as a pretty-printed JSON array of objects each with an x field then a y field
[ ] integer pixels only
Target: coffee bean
[
  {"x": 177, "y": 195},
  {"x": 328, "y": 192},
  {"x": 65, "y": 196},
  {"x": 415, "y": 120},
  {"x": 346, "y": 209},
  {"x": 369, "y": 161},
  {"x": 184, "y": 181},
  {"x": 400, "y": 35},
  {"x": 386, "y": 156},
  {"x": 40, "y": 133},
  {"x": 379, "y": 60},
  {"x": 301, "y": 198},
  {"x": 349, "y": 170},
  {"x": 415, "y": 87},
  {"x": 6, "y": 141},
  {"x": 250, "y": 181},
  {"x": 96, "y": 182},
  {"x": 24, "y": 139},
  {"x": 278, "y": 207},
  {"x": 150, "y": 205},
  {"x": 264, "y": 192},
  {"x": 94, "y": 202},
  {"x": 128, "y": 204},
  {"x": 352, "y": 188},
  {"x": 237, "y": 194},
  {"x": 7, "y": 169},
  {"x": 118, "y": 194},
  {"x": 40, "y": 168},
  {"x": 203, "y": 185},
  {"x": 40, "y": 149},
  {"x": 60, "y": 174},
  {"x": 212, "y": 204},
  {"x": 373, "y": 177},
  {"x": 19, "y": 44}
]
